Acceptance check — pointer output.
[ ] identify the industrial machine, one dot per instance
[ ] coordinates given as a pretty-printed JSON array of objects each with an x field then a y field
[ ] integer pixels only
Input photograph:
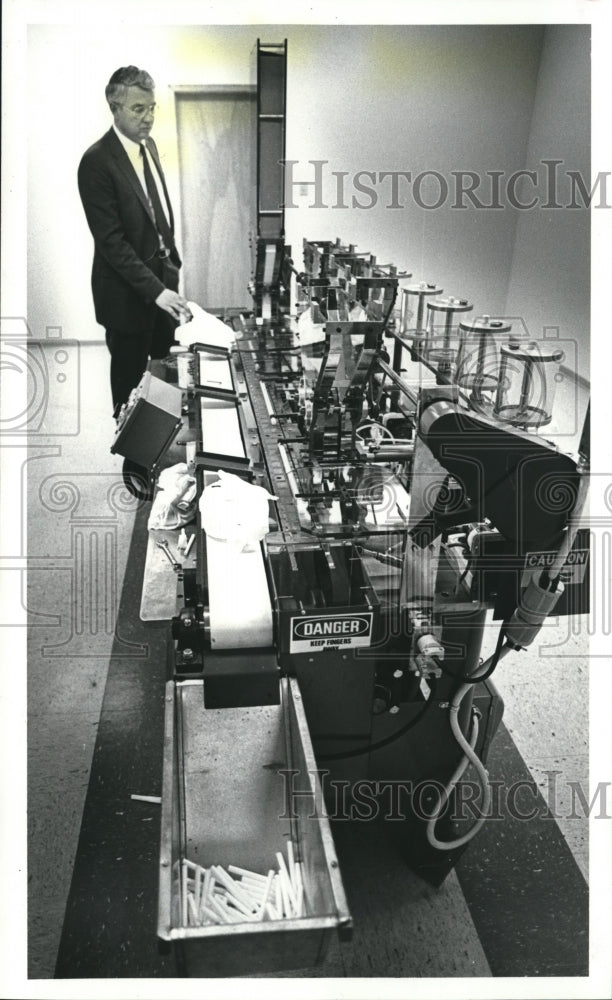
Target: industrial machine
[{"x": 374, "y": 503}]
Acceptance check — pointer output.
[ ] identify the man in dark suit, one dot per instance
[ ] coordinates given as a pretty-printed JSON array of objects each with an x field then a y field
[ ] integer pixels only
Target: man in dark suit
[{"x": 136, "y": 264}]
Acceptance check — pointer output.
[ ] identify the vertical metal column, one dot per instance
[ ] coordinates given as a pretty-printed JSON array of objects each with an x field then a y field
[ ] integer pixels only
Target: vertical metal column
[{"x": 271, "y": 112}]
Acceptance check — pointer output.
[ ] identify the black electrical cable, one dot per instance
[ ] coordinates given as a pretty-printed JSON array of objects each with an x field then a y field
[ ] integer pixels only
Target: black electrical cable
[
  {"x": 359, "y": 751},
  {"x": 475, "y": 678},
  {"x": 136, "y": 480},
  {"x": 382, "y": 557},
  {"x": 390, "y": 309}
]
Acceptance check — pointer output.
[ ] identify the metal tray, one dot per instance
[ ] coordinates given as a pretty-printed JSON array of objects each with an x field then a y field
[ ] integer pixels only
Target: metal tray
[{"x": 238, "y": 782}]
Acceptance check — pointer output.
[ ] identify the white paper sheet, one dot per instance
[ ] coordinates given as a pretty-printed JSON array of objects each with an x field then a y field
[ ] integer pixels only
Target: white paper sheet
[{"x": 204, "y": 328}]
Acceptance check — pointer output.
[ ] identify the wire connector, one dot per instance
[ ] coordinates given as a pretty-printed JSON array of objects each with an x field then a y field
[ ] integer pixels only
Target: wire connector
[
  {"x": 428, "y": 645},
  {"x": 536, "y": 604},
  {"x": 429, "y": 652}
]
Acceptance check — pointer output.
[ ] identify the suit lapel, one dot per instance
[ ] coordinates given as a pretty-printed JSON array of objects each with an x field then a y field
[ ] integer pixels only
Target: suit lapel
[{"x": 122, "y": 161}]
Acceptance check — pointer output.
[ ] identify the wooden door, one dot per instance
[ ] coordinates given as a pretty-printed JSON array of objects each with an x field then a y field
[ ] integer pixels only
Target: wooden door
[{"x": 217, "y": 151}]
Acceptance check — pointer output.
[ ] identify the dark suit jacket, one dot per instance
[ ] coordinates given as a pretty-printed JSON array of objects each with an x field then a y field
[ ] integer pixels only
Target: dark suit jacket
[{"x": 127, "y": 274}]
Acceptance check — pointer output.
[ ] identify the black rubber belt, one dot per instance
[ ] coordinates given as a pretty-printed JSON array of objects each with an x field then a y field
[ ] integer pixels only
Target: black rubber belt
[
  {"x": 110, "y": 921},
  {"x": 528, "y": 899}
]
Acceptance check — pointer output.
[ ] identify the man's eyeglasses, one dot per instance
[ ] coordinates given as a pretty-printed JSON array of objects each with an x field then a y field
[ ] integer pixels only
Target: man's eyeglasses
[{"x": 139, "y": 110}]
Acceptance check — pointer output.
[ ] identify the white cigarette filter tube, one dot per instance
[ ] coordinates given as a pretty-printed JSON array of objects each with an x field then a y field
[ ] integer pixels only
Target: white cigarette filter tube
[{"x": 215, "y": 895}]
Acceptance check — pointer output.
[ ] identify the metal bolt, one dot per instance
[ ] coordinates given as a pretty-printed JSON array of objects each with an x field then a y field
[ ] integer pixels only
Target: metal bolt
[{"x": 188, "y": 654}]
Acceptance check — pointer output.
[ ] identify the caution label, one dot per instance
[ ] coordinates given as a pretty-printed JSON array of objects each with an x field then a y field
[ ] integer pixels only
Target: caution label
[
  {"x": 313, "y": 634},
  {"x": 574, "y": 567}
]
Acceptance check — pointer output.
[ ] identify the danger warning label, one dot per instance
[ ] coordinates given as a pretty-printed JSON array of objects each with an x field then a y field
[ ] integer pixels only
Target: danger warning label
[{"x": 314, "y": 634}]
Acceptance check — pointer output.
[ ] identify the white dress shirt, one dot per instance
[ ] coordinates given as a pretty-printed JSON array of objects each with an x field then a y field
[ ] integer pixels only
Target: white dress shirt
[{"x": 133, "y": 151}]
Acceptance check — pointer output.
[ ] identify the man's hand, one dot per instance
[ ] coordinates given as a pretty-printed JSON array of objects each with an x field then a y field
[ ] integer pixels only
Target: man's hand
[{"x": 173, "y": 303}]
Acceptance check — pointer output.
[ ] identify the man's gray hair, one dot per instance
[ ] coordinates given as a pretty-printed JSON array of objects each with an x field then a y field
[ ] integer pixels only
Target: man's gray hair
[{"x": 124, "y": 77}]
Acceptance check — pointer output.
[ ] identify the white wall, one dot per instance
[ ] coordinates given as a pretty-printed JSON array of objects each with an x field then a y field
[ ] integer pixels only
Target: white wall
[
  {"x": 372, "y": 98},
  {"x": 420, "y": 99},
  {"x": 68, "y": 68},
  {"x": 550, "y": 276}
]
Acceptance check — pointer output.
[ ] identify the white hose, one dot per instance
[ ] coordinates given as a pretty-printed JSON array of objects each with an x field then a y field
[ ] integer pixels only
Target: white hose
[
  {"x": 380, "y": 429},
  {"x": 469, "y": 757}
]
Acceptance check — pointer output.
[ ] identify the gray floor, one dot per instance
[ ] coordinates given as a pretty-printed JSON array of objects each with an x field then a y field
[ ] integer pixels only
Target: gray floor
[
  {"x": 79, "y": 531},
  {"x": 76, "y": 518},
  {"x": 546, "y": 701}
]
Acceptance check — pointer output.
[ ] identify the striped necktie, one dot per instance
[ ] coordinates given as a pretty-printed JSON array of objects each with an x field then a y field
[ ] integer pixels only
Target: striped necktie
[{"x": 160, "y": 218}]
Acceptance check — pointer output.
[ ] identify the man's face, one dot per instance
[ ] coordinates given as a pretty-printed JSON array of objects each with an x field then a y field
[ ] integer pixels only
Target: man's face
[{"x": 135, "y": 113}]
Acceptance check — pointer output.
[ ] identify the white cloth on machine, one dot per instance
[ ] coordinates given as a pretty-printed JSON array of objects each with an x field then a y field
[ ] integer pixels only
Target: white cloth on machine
[{"x": 175, "y": 501}]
